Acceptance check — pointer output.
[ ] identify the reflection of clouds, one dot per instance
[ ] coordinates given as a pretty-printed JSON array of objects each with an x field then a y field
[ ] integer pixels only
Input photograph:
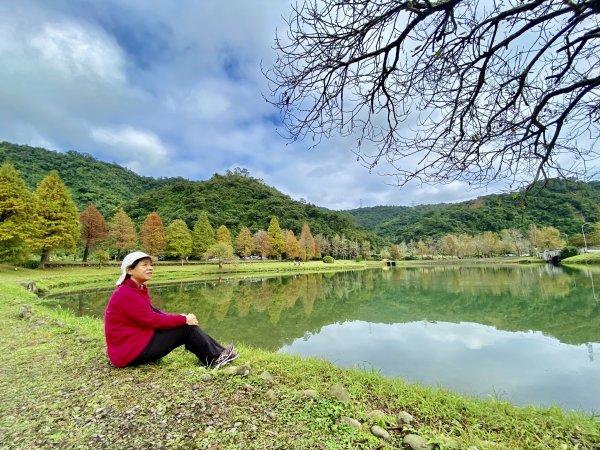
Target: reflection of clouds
[
  {"x": 523, "y": 367},
  {"x": 471, "y": 335}
]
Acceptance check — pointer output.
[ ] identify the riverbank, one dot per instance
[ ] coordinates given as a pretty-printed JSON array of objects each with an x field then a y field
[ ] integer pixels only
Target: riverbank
[
  {"x": 58, "y": 391},
  {"x": 584, "y": 258}
]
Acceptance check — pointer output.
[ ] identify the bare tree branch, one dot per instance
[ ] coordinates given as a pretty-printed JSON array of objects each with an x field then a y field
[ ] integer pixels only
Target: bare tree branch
[{"x": 446, "y": 90}]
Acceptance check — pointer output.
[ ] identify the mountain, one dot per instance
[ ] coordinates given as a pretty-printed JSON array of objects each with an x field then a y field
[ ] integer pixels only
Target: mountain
[
  {"x": 235, "y": 199},
  {"x": 563, "y": 204},
  {"x": 108, "y": 186}
]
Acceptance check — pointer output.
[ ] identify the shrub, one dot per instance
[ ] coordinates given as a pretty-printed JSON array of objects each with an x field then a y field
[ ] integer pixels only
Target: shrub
[
  {"x": 328, "y": 259},
  {"x": 409, "y": 257},
  {"x": 102, "y": 256},
  {"x": 568, "y": 251}
]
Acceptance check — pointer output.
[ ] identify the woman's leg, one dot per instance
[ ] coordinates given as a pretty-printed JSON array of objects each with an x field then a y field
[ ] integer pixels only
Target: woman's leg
[{"x": 164, "y": 342}]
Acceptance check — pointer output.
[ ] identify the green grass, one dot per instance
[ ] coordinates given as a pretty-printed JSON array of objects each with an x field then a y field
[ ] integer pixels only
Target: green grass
[
  {"x": 57, "y": 390},
  {"x": 584, "y": 258}
]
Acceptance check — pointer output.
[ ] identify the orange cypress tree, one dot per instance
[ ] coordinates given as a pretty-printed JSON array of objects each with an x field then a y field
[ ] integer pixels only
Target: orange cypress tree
[
  {"x": 292, "y": 248},
  {"x": 244, "y": 243},
  {"x": 307, "y": 243},
  {"x": 152, "y": 235},
  {"x": 122, "y": 233},
  {"x": 93, "y": 228}
]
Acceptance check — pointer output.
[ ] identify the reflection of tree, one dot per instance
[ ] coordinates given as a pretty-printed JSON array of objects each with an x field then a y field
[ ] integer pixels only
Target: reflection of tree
[
  {"x": 263, "y": 296},
  {"x": 291, "y": 290},
  {"x": 557, "y": 303},
  {"x": 243, "y": 299},
  {"x": 309, "y": 293},
  {"x": 276, "y": 303},
  {"x": 223, "y": 301}
]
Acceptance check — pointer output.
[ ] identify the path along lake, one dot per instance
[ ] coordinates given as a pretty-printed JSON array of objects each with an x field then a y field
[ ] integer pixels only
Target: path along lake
[{"x": 529, "y": 334}]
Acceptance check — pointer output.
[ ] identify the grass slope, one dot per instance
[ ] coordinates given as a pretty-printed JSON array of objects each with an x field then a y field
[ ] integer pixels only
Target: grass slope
[{"x": 57, "y": 390}]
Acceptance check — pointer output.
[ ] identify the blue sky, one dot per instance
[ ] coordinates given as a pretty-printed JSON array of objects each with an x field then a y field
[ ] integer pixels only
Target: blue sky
[{"x": 172, "y": 89}]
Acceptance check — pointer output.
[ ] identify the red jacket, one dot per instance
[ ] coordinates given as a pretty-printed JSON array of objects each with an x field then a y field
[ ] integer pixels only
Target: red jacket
[{"x": 130, "y": 321}]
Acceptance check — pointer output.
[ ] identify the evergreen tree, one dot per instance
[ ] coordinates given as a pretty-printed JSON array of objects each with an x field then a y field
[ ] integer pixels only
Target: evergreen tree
[
  {"x": 59, "y": 219},
  {"x": 365, "y": 249},
  {"x": 152, "y": 235},
  {"x": 277, "y": 239},
  {"x": 293, "y": 250},
  {"x": 223, "y": 235},
  {"x": 122, "y": 234},
  {"x": 179, "y": 240},
  {"x": 93, "y": 228},
  {"x": 307, "y": 243},
  {"x": 203, "y": 235},
  {"x": 18, "y": 216},
  {"x": 244, "y": 243}
]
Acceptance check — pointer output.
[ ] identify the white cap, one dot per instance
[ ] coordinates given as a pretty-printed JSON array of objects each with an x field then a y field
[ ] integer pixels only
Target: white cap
[{"x": 128, "y": 262}]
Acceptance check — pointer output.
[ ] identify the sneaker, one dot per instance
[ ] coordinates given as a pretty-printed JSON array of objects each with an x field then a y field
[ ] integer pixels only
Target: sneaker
[
  {"x": 225, "y": 355},
  {"x": 230, "y": 357}
]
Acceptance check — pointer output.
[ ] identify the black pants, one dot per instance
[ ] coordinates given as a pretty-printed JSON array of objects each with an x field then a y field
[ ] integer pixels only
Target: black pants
[{"x": 165, "y": 341}]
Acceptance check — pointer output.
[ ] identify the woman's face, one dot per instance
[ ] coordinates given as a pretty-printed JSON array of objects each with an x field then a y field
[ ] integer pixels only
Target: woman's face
[{"x": 142, "y": 272}]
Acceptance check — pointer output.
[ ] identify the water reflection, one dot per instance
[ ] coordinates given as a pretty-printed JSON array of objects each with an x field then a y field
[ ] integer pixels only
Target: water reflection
[
  {"x": 525, "y": 334},
  {"x": 523, "y": 367}
]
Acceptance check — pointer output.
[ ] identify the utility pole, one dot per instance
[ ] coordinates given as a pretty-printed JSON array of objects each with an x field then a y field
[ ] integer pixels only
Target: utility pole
[{"x": 585, "y": 248}]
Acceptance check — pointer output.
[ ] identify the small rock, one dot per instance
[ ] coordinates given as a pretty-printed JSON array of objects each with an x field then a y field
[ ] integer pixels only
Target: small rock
[
  {"x": 353, "y": 423},
  {"x": 416, "y": 442},
  {"x": 243, "y": 370},
  {"x": 26, "y": 312},
  {"x": 339, "y": 392},
  {"x": 270, "y": 395},
  {"x": 379, "y": 432},
  {"x": 404, "y": 418},
  {"x": 30, "y": 286},
  {"x": 230, "y": 370},
  {"x": 267, "y": 378},
  {"x": 309, "y": 393},
  {"x": 248, "y": 388},
  {"x": 206, "y": 377},
  {"x": 375, "y": 414}
]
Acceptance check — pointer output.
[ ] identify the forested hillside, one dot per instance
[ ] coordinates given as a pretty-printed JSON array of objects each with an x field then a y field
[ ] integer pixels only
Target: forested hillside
[
  {"x": 235, "y": 199},
  {"x": 562, "y": 204},
  {"x": 89, "y": 180}
]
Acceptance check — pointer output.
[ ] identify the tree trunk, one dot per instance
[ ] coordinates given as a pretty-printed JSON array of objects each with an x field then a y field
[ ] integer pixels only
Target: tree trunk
[
  {"x": 45, "y": 258},
  {"x": 86, "y": 252}
]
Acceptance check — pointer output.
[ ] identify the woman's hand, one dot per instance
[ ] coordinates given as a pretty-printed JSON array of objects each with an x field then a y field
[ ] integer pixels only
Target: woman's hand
[{"x": 190, "y": 319}]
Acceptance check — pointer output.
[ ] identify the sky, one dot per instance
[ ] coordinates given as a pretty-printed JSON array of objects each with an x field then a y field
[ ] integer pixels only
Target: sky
[{"x": 172, "y": 89}]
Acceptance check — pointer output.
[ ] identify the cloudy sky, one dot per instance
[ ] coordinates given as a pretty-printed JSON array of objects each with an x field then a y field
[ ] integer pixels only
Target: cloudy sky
[{"x": 172, "y": 89}]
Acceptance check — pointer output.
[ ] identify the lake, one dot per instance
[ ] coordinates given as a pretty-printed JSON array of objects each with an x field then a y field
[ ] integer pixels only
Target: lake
[{"x": 527, "y": 334}]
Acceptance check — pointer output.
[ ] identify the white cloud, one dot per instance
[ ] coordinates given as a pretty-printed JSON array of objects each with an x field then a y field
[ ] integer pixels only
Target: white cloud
[
  {"x": 78, "y": 52},
  {"x": 178, "y": 83},
  {"x": 135, "y": 149}
]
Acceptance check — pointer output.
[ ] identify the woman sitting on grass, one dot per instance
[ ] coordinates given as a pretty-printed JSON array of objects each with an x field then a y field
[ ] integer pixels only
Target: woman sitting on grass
[{"x": 137, "y": 333}]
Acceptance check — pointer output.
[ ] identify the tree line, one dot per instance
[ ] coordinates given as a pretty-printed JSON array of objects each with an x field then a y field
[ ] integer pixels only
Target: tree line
[
  {"x": 47, "y": 221},
  {"x": 489, "y": 244}
]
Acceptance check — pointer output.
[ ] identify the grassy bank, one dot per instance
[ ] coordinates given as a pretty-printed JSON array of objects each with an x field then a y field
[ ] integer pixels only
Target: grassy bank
[
  {"x": 57, "y": 390},
  {"x": 584, "y": 258}
]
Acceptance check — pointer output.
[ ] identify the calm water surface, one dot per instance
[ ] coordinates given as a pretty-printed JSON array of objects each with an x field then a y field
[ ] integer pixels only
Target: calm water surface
[{"x": 529, "y": 335}]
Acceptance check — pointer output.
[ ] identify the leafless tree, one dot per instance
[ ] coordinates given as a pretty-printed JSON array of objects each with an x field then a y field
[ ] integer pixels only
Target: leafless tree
[{"x": 446, "y": 90}]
